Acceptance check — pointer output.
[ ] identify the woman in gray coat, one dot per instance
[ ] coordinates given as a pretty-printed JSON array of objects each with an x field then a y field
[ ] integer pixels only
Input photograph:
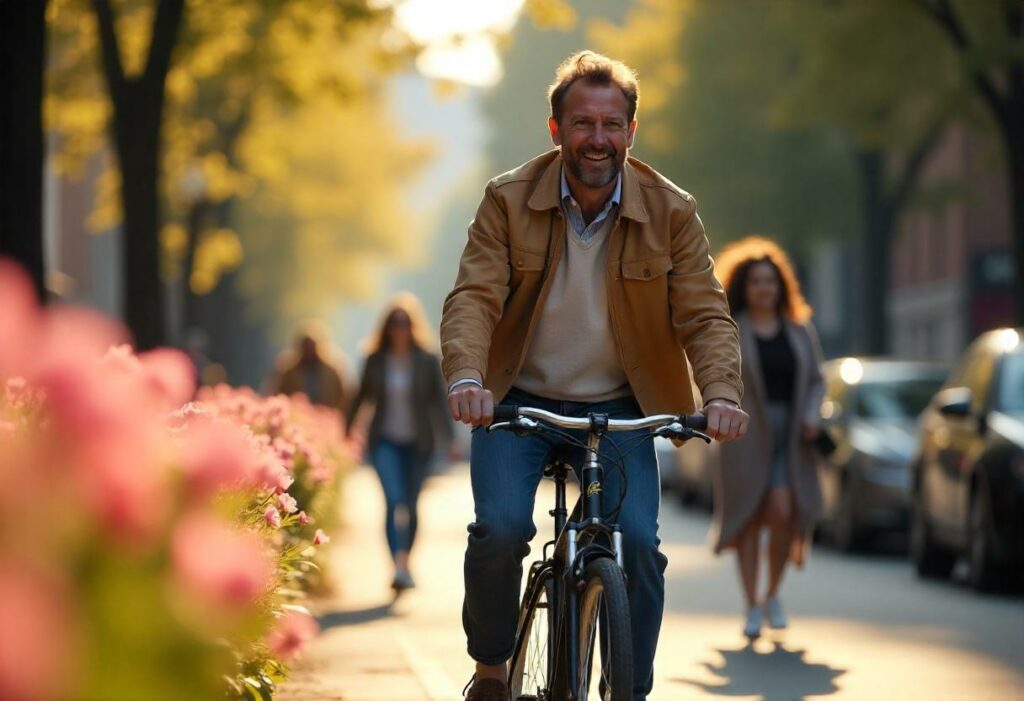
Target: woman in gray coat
[
  {"x": 402, "y": 381},
  {"x": 768, "y": 479}
]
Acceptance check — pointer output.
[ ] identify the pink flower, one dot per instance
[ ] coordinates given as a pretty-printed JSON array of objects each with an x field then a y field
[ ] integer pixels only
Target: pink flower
[
  {"x": 321, "y": 538},
  {"x": 124, "y": 482},
  {"x": 273, "y": 517},
  {"x": 220, "y": 565},
  {"x": 273, "y": 475},
  {"x": 36, "y": 634},
  {"x": 287, "y": 503},
  {"x": 170, "y": 375},
  {"x": 304, "y": 519},
  {"x": 217, "y": 455},
  {"x": 291, "y": 634},
  {"x": 20, "y": 320}
]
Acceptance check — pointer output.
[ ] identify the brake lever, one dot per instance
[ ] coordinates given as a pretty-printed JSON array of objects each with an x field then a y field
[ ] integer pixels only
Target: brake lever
[
  {"x": 521, "y": 425},
  {"x": 684, "y": 433}
]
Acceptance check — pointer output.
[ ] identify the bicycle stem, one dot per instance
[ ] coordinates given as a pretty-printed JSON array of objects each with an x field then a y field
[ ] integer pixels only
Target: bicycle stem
[{"x": 593, "y": 479}]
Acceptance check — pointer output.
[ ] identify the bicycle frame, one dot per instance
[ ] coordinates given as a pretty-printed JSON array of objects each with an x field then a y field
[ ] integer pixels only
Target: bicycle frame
[{"x": 566, "y": 566}]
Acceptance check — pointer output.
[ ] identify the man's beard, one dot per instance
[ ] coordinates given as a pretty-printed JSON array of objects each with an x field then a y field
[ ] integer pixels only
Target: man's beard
[{"x": 593, "y": 173}]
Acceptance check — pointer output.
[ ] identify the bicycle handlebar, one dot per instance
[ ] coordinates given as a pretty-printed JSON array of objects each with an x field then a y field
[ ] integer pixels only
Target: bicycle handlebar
[{"x": 509, "y": 412}]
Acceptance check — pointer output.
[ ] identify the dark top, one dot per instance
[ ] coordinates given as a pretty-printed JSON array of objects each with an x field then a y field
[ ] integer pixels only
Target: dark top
[
  {"x": 429, "y": 394},
  {"x": 778, "y": 364}
]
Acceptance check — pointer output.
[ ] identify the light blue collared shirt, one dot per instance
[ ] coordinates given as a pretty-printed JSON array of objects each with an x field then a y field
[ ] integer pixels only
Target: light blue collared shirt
[{"x": 574, "y": 214}]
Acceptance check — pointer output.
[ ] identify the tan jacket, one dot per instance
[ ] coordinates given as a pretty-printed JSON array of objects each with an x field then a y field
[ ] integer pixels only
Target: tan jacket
[
  {"x": 663, "y": 296},
  {"x": 744, "y": 471}
]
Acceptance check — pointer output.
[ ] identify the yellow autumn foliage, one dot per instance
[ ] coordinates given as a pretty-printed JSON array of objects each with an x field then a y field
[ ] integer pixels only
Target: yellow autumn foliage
[
  {"x": 276, "y": 118},
  {"x": 649, "y": 43}
]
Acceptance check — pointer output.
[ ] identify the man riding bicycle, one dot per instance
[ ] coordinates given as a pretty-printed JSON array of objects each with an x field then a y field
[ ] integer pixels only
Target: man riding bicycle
[{"x": 585, "y": 286}]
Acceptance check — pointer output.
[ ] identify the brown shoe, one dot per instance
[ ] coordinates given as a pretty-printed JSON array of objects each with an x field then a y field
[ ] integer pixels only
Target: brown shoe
[{"x": 487, "y": 690}]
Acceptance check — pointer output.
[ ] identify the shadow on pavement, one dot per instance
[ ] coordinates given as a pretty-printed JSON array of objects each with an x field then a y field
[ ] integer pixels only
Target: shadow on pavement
[
  {"x": 336, "y": 619},
  {"x": 779, "y": 675}
]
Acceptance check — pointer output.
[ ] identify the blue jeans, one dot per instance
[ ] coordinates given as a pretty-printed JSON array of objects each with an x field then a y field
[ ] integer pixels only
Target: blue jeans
[
  {"x": 401, "y": 471},
  {"x": 506, "y": 470}
]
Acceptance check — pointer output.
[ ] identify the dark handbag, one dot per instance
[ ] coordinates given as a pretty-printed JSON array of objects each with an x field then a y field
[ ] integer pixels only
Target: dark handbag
[{"x": 824, "y": 443}]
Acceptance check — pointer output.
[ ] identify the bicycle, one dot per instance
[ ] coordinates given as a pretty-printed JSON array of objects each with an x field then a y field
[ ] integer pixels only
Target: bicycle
[{"x": 579, "y": 589}]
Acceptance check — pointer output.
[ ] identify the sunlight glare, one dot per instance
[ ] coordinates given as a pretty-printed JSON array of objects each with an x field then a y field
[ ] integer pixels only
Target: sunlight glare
[{"x": 459, "y": 36}]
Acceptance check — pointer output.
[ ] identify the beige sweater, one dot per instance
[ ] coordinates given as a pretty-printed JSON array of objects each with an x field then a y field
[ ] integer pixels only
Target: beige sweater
[{"x": 572, "y": 355}]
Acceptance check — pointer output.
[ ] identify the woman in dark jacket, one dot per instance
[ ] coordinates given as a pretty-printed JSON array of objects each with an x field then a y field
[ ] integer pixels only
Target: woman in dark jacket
[
  {"x": 768, "y": 480},
  {"x": 402, "y": 380}
]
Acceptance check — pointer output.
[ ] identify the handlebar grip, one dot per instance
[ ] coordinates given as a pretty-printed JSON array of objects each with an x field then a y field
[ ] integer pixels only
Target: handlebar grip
[
  {"x": 698, "y": 422},
  {"x": 505, "y": 412}
]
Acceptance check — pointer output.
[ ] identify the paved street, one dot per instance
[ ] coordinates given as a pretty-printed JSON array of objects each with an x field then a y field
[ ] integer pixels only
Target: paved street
[{"x": 862, "y": 627}]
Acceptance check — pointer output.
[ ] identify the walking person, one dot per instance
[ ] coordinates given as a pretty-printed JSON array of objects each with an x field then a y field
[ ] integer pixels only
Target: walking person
[
  {"x": 312, "y": 368},
  {"x": 585, "y": 285},
  {"x": 402, "y": 380},
  {"x": 769, "y": 480}
]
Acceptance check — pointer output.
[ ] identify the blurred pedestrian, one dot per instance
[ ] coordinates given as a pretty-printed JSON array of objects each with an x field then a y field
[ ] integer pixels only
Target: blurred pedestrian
[
  {"x": 207, "y": 372},
  {"x": 402, "y": 379},
  {"x": 312, "y": 368},
  {"x": 769, "y": 480}
]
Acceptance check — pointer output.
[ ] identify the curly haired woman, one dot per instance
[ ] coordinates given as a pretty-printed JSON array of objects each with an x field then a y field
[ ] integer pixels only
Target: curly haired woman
[{"x": 769, "y": 479}]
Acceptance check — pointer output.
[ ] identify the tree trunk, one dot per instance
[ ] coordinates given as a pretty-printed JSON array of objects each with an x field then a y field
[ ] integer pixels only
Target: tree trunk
[
  {"x": 137, "y": 138},
  {"x": 1016, "y": 155},
  {"x": 22, "y": 57},
  {"x": 138, "y": 112},
  {"x": 878, "y": 224}
]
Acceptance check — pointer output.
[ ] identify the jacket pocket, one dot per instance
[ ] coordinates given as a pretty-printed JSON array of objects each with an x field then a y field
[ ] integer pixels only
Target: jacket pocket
[
  {"x": 523, "y": 259},
  {"x": 647, "y": 268}
]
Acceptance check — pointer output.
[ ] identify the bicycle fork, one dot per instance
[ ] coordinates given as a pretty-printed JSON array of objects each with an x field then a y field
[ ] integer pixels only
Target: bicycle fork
[{"x": 590, "y": 517}]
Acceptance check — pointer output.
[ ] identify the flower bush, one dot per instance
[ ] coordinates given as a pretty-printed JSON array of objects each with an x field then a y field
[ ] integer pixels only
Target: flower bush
[{"x": 154, "y": 546}]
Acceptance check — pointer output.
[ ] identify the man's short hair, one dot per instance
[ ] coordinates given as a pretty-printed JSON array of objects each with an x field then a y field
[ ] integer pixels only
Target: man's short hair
[{"x": 595, "y": 69}]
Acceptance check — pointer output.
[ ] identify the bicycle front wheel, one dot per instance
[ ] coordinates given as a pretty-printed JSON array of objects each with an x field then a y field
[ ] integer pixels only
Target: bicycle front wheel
[
  {"x": 604, "y": 624},
  {"x": 532, "y": 666}
]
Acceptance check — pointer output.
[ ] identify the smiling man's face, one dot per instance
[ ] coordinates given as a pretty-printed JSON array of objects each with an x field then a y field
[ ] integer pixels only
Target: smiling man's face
[{"x": 594, "y": 133}]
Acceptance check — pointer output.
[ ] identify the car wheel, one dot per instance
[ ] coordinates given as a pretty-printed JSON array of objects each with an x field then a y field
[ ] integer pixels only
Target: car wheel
[
  {"x": 930, "y": 558},
  {"x": 848, "y": 534},
  {"x": 983, "y": 572}
]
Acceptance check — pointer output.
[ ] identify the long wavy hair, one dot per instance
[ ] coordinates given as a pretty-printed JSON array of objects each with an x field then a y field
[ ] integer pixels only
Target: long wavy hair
[
  {"x": 409, "y": 304},
  {"x": 733, "y": 264}
]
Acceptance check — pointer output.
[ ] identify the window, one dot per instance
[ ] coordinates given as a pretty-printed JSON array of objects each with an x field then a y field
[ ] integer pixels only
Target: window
[{"x": 1011, "y": 384}]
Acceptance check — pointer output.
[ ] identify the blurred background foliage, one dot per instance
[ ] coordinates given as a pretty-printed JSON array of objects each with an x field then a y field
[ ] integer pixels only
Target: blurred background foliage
[{"x": 298, "y": 167}]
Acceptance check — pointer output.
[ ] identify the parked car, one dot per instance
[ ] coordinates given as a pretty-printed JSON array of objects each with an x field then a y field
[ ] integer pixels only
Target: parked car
[
  {"x": 968, "y": 474},
  {"x": 870, "y": 410}
]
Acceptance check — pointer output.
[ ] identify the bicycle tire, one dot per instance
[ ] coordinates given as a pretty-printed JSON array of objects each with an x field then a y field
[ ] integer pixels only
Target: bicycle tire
[
  {"x": 604, "y": 599},
  {"x": 531, "y": 668}
]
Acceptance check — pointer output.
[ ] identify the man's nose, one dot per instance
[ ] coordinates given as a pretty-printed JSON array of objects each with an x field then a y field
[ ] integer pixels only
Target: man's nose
[{"x": 599, "y": 137}]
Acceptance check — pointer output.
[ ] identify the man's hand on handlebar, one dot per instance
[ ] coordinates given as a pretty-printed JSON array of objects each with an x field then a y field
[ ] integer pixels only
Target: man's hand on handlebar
[
  {"x": 471, "y": 404},
  {"x": 726, "y": 421}
]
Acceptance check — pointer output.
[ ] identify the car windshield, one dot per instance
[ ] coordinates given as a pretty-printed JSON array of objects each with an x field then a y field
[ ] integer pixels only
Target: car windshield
[
  {"x": 896, "y": 399},
  {"x": 1011, "y": 384}
]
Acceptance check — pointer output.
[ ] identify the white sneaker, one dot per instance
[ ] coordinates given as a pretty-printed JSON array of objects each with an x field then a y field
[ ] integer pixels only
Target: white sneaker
[
  {"x": 776, "y": 616},
  {"x": 752, "y": 628}
]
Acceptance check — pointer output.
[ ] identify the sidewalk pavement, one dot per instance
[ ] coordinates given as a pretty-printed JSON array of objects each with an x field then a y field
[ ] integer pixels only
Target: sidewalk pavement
[
  {"x": 863, "y": 628},
  {"x": 372, "y": 648}
]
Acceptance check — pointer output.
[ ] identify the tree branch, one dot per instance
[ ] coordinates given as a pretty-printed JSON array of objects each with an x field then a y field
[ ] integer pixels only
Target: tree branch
[
  {"x": 109, "y": 51},
  {"x": 943, "y": 14},
  {"x": 164, "y": 35}
]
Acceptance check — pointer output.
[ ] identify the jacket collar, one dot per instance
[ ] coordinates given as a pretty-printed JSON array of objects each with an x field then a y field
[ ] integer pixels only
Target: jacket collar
[{"x": 547, "y": 193}]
